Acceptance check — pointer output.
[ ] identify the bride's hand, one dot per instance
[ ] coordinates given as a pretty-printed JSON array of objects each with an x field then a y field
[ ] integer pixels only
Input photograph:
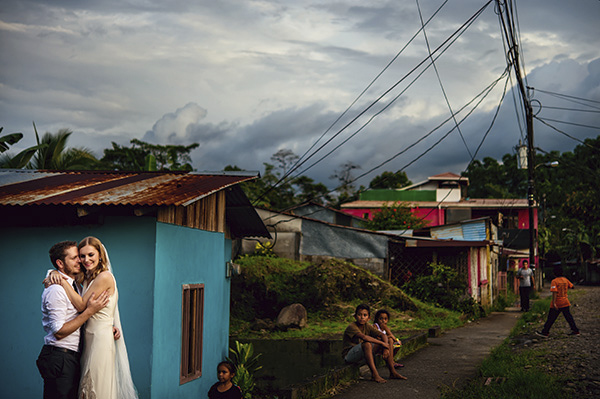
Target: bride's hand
[{"x": 53, "y": 278}]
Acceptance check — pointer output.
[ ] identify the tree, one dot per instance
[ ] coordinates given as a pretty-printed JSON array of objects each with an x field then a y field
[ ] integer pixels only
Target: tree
[
  {"x": 390, "y": 180},
  {"x": 567, "y": 196},
  {"x": 346, "y": 190},
  {"x": 284, "y": 160},
  {"x": 145, "y": 156},
  {"x": 19, "y": 161},
  {"x": 395, "y": 217},
  {"x": 9, "y": 139},
  {"x": 51, "y": 152}
]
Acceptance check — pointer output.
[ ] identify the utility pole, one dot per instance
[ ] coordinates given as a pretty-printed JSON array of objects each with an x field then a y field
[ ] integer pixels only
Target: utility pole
[{"x": 514, "y": 58}]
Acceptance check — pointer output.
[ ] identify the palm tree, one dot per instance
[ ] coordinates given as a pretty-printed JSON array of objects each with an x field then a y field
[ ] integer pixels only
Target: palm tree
[
  {"x": 51, "y": 152},
  {"x": 18, "y": 161}
]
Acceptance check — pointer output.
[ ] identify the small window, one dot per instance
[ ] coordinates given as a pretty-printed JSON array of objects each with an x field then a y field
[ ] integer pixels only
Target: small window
[{"x": 192, "y": 305}]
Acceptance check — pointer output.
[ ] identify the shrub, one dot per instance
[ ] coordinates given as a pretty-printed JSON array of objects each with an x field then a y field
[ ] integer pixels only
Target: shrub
[
  {"x": 246, "y": 364},
  {"x": 444, "y": 288}
]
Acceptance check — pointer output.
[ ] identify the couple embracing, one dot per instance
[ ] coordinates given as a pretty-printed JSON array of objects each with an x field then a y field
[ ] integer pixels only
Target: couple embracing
[{"x": 89, "y": 362}]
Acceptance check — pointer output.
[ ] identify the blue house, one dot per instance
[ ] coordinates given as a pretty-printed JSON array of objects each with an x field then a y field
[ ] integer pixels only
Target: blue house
[{"x": 169, "y": 236}]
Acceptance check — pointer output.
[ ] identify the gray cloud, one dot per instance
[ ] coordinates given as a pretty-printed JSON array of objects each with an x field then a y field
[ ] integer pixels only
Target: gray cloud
[{"x": 245, "y": 79}]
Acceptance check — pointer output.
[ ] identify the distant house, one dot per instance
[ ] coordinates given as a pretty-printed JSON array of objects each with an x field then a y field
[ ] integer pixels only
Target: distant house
[
  {"x": 169, "y": 236},
  {"x": 304, "y": 238},
  {"x": 327, "y": 214},
  {"x": 442, "y": 199},
  {"x": 470, "y": 247}
]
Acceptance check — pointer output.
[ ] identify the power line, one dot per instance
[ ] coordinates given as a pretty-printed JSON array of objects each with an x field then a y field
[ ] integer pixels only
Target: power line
[
  {"x": 440, "y": 80},
  {"x": 563, "y": 95},
  {"x": 563, "y": 133},
  {"x": 569, "y": 123},
  {"x": 294, "y": 167},
  {"x": 468, "y": 23},
  {"x": 571, "y": 109},
  {"x": 458, "y": 32}
]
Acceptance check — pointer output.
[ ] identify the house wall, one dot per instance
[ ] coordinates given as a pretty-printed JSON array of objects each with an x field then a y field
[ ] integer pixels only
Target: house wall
[
  {"x": 188, "y": 256},
  {"x": 130, "y": 244}
]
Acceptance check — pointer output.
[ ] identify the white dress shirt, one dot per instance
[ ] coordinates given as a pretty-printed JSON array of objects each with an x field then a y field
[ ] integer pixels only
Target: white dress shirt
[{"x": 57, "y": 309}]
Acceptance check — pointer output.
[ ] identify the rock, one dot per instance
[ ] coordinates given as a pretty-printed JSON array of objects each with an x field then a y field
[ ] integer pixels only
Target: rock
[
  {"x": 292, "y": 316},
  {"x": 262, "y": 324}
]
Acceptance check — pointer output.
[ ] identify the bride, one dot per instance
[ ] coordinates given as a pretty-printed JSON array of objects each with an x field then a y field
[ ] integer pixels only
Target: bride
[{"x": 105, "y": 370}]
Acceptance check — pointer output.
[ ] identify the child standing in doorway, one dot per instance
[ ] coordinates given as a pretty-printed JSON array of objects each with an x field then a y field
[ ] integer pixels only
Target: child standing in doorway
[
  {"x": 225, "y": 389},
  {"x": 363, "y": 341},
  {"x": 382, "y": 317}
]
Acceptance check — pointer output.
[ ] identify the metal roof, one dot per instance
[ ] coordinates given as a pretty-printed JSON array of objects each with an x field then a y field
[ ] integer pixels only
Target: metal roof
[
  {"x": 481, "y": 203},
  {"x": 31, "y": 187}
]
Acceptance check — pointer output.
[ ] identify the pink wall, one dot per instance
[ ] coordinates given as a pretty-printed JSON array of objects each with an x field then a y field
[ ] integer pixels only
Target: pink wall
[{"x": 435, "y": 216}]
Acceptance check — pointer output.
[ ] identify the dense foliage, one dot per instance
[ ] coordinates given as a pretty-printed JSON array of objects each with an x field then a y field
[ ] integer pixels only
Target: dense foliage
[
  {"x": 396, "y": 217},
  {"x": 445, "y": 288},
  {"x": 267, "y": 284},
  {"x": 567, "y": 196}
]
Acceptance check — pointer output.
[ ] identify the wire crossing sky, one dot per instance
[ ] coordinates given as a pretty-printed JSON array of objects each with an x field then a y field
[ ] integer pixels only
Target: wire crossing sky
[{"x": 246, "y": 79}]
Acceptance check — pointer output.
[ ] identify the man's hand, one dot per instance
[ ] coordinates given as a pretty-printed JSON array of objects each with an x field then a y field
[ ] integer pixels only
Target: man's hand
[
  {"x": 116, "y": 333},
  {"x": 95, "y": 304}
]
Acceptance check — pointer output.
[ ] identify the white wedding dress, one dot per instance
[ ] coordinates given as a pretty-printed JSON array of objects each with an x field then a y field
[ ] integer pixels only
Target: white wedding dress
[{"x": 104, "y": 363}]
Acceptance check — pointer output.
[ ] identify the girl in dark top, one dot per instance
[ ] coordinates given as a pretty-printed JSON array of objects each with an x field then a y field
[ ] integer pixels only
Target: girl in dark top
[{"x": 225, "y": 389}]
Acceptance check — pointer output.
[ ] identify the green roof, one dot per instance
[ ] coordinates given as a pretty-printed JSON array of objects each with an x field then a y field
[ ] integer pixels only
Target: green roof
[{"x": 395, "y": 195}]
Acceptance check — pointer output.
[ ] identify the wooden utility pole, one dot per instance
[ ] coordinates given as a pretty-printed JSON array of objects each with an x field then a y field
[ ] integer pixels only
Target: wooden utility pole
[{"x": 505, "y": 17}]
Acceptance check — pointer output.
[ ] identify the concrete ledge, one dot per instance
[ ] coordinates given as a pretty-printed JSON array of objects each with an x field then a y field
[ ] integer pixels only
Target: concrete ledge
[
  {"x": 346, "y": 373},
  {"x": 435, "y": 331}
]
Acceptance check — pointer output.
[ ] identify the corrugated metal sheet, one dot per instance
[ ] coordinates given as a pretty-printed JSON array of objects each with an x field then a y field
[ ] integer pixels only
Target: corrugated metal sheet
[
  {"x": 448, "y": 232},
  {"x": 474, "y": 231},
  {"x": 468, "y": 231},
  {"x": 111, "y": 188}
]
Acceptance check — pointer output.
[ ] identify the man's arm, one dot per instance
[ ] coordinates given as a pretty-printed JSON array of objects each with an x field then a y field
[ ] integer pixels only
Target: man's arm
[{"x": 93, "y": 305}]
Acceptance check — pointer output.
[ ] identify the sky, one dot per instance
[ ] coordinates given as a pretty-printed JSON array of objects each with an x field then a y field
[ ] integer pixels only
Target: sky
[{"x": 245, "y": 79}]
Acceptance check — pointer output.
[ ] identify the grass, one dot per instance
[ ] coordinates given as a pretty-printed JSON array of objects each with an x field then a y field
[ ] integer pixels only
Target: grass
[
  {"x": 322, "y": 326},
  {"x": 515, "y": 374}
]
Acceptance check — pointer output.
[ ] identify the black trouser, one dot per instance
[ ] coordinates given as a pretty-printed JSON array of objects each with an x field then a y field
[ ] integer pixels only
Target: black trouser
[
  {"x": 60, "y": 370},
  {"x": 524, "y": 293},
  {"x": 553, "y": 314}
]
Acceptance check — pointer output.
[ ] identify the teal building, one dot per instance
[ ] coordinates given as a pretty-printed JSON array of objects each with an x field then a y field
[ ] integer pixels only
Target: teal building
[{"x": 169, "y": 236}]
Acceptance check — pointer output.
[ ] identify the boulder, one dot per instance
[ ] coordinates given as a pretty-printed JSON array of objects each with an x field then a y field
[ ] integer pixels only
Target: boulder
[{"x": 292, "y": 316}]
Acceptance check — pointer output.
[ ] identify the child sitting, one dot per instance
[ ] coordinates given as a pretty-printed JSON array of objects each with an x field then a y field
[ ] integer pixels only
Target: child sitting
[
  {"x": 381, "y": 319},
  {"x": 363, "y": 341}
]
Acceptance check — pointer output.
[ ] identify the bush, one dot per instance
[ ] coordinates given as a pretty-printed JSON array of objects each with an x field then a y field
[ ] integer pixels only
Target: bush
[
  {"x": 266, "y": 285},
  {"x": 246, "y": 365},
  {"x": 444, "y": 288}
]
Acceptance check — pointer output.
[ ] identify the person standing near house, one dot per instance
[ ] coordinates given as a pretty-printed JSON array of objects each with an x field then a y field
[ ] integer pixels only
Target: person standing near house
[
  {"x": 526, "y": 284},
  {"x": 560, "y": 303},
  {"x": 105, "y": 372},
  {"x": 58, "y": 362}
]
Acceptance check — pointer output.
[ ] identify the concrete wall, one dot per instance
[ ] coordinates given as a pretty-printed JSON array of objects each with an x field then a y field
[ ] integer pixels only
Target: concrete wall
[{"x": 188, "y": 256}]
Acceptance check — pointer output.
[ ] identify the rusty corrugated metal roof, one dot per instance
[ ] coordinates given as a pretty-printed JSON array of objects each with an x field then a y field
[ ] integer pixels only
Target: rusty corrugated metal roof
[{"x": 31, "y": 187}]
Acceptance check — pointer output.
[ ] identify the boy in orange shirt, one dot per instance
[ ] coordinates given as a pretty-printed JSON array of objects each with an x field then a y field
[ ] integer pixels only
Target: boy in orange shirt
[{"x": 560, "y": 304}]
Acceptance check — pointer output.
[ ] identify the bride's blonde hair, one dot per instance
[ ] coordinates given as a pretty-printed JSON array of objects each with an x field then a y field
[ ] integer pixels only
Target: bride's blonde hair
[{"x": 102, "y": 261}]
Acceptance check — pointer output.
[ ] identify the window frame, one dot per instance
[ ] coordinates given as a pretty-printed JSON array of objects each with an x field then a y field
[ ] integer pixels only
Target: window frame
[{"x": 192, "y": 323}]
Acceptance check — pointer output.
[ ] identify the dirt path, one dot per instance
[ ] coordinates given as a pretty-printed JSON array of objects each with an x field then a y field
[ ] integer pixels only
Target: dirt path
[{"x": 577, "y": 358}]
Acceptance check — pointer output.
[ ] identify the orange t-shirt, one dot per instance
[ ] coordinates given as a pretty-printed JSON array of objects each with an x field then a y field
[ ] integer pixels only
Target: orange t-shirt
[{"x": 561, "y": 285}]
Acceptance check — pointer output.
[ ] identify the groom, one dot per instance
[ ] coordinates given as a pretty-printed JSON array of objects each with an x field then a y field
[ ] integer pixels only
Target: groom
[{"x": 58, "y": 361}]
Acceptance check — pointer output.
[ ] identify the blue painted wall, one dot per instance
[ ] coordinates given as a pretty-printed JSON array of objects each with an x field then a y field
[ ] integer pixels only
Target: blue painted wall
[
  {"x": 130, "y": 243},
  {"x": 188, "y": 256}
]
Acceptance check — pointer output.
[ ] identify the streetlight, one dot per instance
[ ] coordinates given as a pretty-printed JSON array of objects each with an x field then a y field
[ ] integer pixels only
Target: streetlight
[{"x": 552, "y": 164}]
